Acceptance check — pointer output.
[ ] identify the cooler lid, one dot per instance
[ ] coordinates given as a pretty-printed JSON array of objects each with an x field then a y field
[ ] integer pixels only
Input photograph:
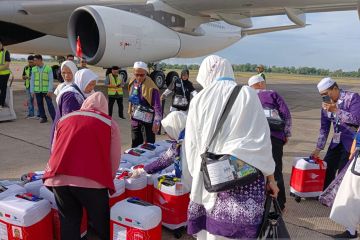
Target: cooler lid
[
  {"x": 23, "y": 210},
  {"x": 136, "y": 213}
]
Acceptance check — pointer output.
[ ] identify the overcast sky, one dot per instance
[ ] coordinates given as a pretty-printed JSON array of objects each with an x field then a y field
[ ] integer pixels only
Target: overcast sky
[{"x": 332, "y": 41}]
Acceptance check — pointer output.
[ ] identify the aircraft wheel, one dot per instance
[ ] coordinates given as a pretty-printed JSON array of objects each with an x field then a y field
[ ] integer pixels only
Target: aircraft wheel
[{"x": 159, "y": 78}]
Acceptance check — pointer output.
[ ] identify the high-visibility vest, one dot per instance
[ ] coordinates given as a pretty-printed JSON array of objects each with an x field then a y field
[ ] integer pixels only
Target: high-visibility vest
[
  {"x": 115, "y": 81},
  {"x": 27, "y": 73},
  {"x": 41, "y": 79},
  {"x": 2, "y": 62}
]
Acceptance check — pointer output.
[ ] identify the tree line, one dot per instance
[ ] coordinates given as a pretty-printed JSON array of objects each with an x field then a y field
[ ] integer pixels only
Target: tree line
[{"x": 248, "y": 67}]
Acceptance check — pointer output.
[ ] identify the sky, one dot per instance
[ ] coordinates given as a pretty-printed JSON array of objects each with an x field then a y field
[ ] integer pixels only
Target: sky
[{"x": 332, "y": 41}]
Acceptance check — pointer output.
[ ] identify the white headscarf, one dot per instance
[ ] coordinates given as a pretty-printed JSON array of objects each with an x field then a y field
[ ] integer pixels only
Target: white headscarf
[
  {"x": 71, "y": 65},
  {"x": 174, "y": 123},
  {"x": 245, "y": 133},
  {"x": 82, "y": 78}
]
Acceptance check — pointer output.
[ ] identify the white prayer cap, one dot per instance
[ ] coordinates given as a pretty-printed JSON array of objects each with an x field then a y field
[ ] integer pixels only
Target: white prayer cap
[
  {"x": 325, "y": 83},
  {"x": 141, "y": 65},
  {"x": 255, "y": 79}
]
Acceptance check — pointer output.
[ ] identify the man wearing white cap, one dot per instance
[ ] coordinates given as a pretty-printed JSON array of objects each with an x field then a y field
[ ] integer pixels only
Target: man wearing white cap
[
  {"x": 144, "y": 106},
  {"x": 274, "y": 104},
  {"x": 342, "y": 109}
]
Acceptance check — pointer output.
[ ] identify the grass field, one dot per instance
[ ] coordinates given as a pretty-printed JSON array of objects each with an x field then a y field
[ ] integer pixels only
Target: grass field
[{"x": 17, "y": 67}]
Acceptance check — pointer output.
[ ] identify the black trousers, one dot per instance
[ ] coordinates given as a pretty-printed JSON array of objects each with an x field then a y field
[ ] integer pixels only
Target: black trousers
[
  {"x": 142, "y": 133},
  {"x": 119, "y": 101},
  {"x": 70, "y": 202},
  {"x": 336, "y": 159},
  {"x": 277, "y": 152},
  {"x": 3, "y": 86}
]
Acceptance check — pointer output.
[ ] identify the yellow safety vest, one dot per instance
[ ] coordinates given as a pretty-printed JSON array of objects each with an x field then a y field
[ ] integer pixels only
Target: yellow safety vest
[
  {"x": 27, "y": 73},
  {"x": 2, "y": 62},
  {"x": 41, "y": 79},
  {"x": 115, "y": 81}
]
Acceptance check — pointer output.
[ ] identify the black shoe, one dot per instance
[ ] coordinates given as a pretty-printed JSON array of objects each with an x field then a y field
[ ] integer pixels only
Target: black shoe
[
  {"x": 346, "y": 235},
  {"x": 43, "y": 120},
  {"x": 122, "y": 117}
]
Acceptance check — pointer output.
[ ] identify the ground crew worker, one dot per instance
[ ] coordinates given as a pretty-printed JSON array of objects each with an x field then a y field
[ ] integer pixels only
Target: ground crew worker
[
  {"x": 83, "y": 64},
  {"x": 275, "y": 104},
  {"x": 4, "y": 73},
  {"x": 26, "y": 77},
  {"x": 260, "y": 70},
  {"x": 115, "y": 85},
  {"x": 342, "y": 109},
  {"x": 41, "y": 85},
  {"x": 70, "y": 57}
]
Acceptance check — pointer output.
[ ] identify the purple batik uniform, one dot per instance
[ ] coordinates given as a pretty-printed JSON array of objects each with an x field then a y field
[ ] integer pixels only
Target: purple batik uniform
[
  {"x": 165, "y": 160},
  {"x": 69, "y": 102},
  {"x": 272, "y": 100},
  {"x": 155, "y": 103},
  {"x": 348, "y": 118},
  {"x": 237, "y": 213}
]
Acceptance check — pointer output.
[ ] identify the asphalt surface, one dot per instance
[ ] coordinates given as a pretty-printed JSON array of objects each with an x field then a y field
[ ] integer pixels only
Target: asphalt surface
[{"x": 24, "y": 147}]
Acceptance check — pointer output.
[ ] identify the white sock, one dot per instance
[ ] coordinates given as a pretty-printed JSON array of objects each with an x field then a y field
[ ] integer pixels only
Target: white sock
[{"x": 351, "y": 230}]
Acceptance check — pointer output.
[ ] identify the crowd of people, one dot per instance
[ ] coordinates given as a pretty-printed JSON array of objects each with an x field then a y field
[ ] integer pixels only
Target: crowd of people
[{"x": 82, "y": 116}]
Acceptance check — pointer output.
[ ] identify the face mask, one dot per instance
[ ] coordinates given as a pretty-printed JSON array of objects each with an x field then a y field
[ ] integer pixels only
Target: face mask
[{"x": 89, "y": 94}]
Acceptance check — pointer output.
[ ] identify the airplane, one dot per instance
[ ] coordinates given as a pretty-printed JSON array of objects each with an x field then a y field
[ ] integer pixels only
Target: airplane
[{"x": 120, "y": 32}]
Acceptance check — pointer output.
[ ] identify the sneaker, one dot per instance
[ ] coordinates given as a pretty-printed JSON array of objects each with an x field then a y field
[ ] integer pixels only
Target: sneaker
[
  {"x": 345, "y": 235},
  {"x": 43, "y": 120}
]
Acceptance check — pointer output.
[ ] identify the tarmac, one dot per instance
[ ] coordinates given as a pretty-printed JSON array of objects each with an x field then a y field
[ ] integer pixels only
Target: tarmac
[{"x": 24, "y": 147}]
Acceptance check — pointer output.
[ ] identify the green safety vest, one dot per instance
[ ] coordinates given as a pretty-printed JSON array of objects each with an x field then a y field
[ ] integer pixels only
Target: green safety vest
[
  {"x": 27, "y": 73},
  {"x": 41, "y": 79},
  {"x": 115, "y": 81},
  {"x": 262, "y": 75},
  {"x": 2, "y": 62}
]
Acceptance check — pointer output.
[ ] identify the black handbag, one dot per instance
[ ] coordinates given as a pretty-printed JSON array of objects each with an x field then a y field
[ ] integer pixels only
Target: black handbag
[
  {"x": 273, "y": 225},
  {"x": 180, "y": 101},
  {"x": 355, "y": 169},
  {"x": 225, "y": 172},
  {"x": 275, "y": 122}
]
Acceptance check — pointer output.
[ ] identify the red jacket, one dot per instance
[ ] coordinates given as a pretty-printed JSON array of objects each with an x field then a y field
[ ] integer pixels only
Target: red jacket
[{"x": 82, "y": 148}]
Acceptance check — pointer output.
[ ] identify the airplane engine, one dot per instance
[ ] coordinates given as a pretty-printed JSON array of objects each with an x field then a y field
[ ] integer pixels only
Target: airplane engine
[{"x": 111, "y": 36}]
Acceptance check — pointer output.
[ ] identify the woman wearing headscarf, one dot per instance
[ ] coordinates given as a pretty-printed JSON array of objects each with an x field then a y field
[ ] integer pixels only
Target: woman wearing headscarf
[
  {"x": 84, "y": 159},
  {"x": 236, "y": 213},
  {"x": 72, "y": 96},
  {"x": 183, "y": 89},
  {"x": 68, "y": 70},
  {"x": 174, "y": 125}
]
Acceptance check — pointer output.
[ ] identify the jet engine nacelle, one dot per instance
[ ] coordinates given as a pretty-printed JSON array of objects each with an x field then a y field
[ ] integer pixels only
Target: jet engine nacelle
[{"x": 111, "y": 36}]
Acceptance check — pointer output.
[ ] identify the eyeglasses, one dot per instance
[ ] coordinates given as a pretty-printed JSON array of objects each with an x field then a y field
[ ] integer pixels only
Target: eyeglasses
[{"x": 139, "y": 75}]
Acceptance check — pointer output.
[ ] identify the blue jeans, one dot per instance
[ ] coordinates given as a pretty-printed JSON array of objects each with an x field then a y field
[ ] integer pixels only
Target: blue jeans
[
  {"x": 30, "y": 103},
  {"x": 40, "y": 102}
]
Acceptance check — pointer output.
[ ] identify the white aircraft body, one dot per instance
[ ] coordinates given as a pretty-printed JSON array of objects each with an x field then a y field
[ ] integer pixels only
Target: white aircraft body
[{"x": 123, "y": 31}]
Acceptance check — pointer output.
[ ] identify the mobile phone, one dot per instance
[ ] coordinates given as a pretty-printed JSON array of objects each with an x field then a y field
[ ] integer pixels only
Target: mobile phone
[{"x": 326, "y": 99}]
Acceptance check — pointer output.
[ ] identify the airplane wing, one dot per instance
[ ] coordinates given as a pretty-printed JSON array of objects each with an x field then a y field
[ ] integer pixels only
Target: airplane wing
[
  {"x": 239, "y": 13},
  {"x": 41, "y": 7},
  {"x": 257, "y": 8}
]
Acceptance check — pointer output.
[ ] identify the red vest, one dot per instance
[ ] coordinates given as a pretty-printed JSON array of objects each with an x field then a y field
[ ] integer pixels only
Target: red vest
[{"x": 82, "y": 148}]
